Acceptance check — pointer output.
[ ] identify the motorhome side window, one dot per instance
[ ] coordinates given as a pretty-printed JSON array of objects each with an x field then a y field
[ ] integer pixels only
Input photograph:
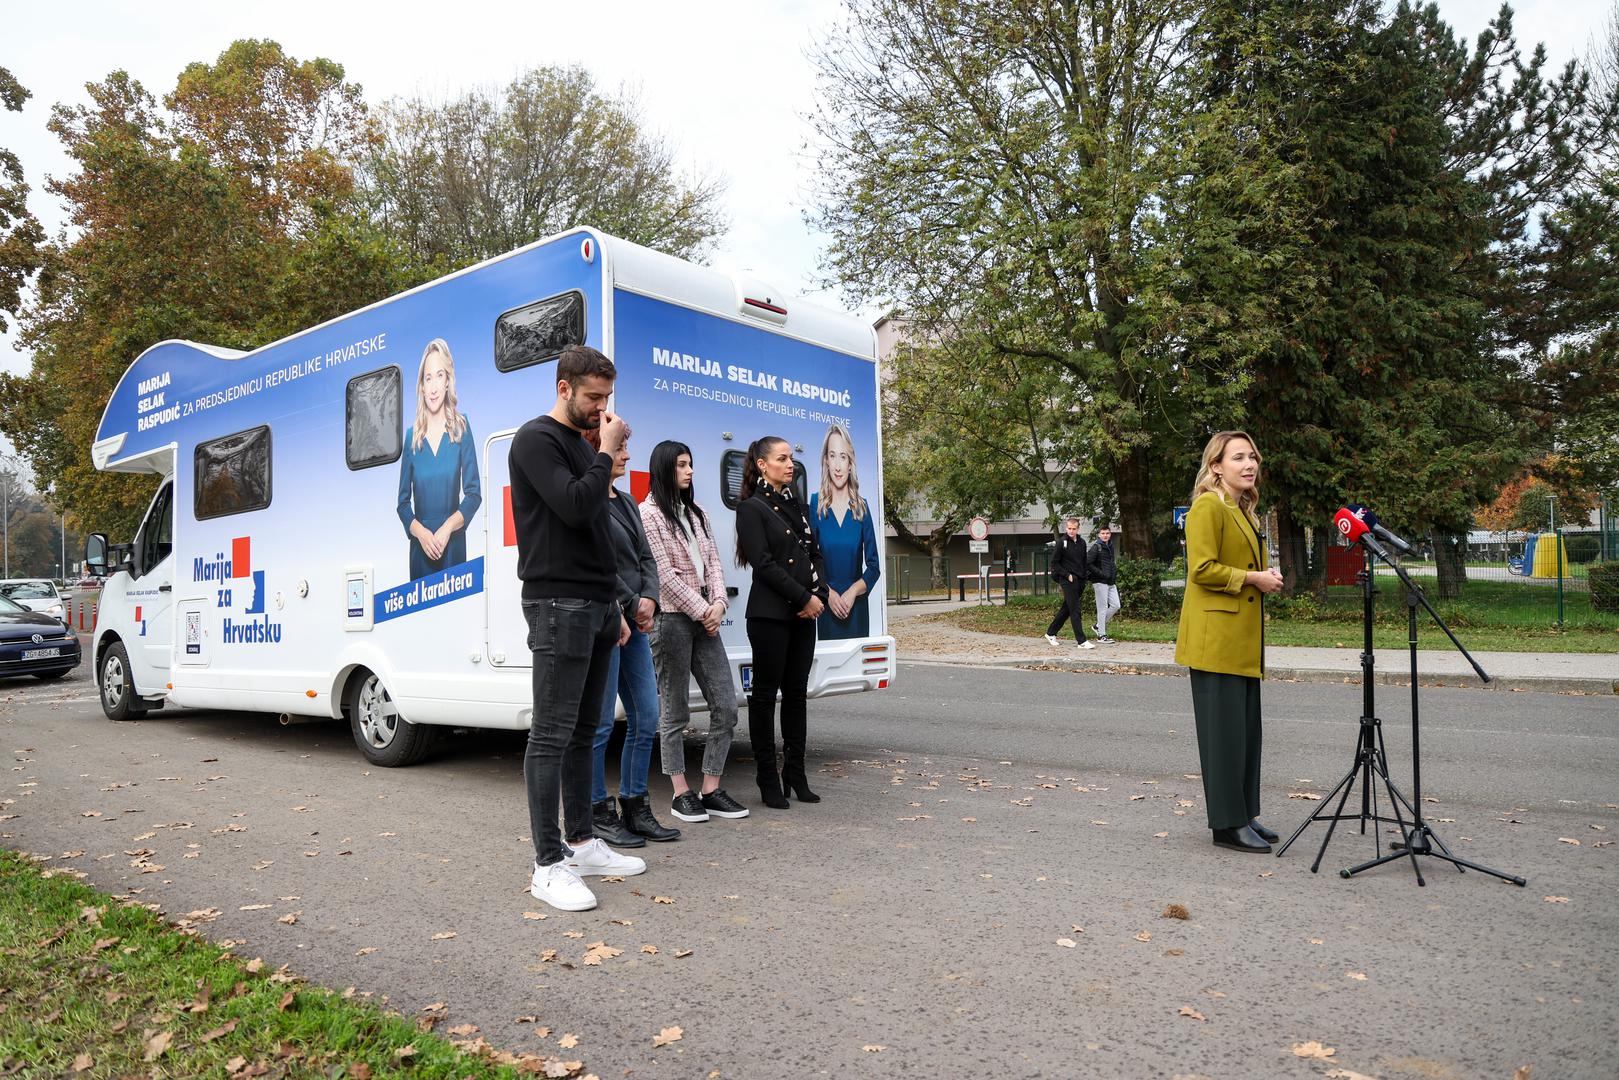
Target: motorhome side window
[
  {"x": 372, "y": 431},
  {"x": 233, "y": 473},
  {"x": 537, "y": 332},
  {"x": 731, "y": 463}
]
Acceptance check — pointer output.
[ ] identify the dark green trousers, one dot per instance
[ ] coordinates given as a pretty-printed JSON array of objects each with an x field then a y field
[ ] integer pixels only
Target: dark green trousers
[{"x": 1228, "y": 743}]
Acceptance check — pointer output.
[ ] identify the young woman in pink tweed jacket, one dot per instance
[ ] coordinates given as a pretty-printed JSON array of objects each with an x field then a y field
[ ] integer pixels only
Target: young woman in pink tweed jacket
[{"x": 685, "y": 633}]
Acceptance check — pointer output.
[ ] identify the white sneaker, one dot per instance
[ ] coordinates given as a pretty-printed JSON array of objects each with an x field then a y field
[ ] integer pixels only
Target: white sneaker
[
  {"x": 1053, "y": 639},
  {"x": 1087, "y": 645},
  {"x": 595, "y": 857},
  {"x": 561, "y": 888}
]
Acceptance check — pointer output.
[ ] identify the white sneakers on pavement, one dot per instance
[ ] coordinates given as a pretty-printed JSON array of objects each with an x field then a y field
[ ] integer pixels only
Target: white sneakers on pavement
[
  {"x": 1052, "y": 638},
  {"x": 1087, "y": 644},
  {"x": 561, "y": 888},
  {"x": 595, "y": 858}
]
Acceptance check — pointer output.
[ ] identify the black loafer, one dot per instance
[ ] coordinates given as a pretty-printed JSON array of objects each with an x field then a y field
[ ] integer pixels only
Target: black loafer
[
  {"x": 1264, "y": 834},
  {"x": 1240, "y": 839}
]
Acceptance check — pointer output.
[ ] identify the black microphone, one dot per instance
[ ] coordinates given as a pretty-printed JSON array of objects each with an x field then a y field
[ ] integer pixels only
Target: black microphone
[{"x": 1377, "y": 527}]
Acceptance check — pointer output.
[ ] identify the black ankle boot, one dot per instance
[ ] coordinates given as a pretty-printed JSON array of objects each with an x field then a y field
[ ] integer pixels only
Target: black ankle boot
[
  {"x": 638, "y": 818},
  {"x": 607, "y": 825},
  {"x": 795, "y": 781},
  {"x": 770, "y": 789}
]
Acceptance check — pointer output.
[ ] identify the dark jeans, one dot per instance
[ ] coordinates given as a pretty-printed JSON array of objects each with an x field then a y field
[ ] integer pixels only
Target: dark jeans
[
  {"x": 572, "y": 642},
  {"x": 630, "y": 673},
  {"x": 1071, "y": 609},
  {"x": 1229, "y": 741},
  {"x": 783, "y": 651}
]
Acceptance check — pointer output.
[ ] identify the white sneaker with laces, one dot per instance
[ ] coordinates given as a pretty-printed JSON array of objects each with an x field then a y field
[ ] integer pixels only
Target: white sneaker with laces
[
  {"x": 1053, "y": 639},
  {"x": 595, "y": 857},
  {"x": 561, "y": 888},
  {"x": 1087, "y": 645}
]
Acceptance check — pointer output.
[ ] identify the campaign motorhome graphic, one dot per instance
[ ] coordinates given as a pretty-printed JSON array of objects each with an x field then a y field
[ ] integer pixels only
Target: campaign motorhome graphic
[{"x": 332, "y": 533}]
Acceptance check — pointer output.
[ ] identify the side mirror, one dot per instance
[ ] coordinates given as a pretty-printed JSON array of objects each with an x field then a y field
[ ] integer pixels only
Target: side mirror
[{"x": 95, "y": 554}]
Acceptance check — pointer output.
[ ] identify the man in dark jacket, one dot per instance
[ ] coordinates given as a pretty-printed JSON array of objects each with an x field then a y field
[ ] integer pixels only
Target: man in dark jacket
[
  {"x": 1103, "y": 574},
  {"x": 1068, "y": 571}
]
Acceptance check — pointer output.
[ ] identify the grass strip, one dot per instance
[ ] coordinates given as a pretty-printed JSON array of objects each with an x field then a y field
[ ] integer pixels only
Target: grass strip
[
  {"x": 1029, "y": 616},
  {"x": 95, "y": 986}
]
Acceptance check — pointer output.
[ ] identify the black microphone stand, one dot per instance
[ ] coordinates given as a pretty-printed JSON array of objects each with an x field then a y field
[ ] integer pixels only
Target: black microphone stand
[{"x": 1371, "y": 759}]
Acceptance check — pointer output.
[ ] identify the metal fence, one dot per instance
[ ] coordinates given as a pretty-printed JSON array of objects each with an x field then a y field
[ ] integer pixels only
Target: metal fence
[{"x": 1507, "y": 578}]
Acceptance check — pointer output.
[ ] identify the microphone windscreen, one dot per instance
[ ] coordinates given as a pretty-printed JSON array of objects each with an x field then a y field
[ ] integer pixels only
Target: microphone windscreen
[{"x": 1349, "y": 524}]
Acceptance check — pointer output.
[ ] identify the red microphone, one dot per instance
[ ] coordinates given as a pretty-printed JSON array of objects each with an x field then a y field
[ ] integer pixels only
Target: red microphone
[{"x": 1354, "y": 529}]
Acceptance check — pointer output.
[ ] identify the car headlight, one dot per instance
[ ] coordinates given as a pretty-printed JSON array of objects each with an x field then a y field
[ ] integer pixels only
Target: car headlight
[{"x": 56, "y": 610}]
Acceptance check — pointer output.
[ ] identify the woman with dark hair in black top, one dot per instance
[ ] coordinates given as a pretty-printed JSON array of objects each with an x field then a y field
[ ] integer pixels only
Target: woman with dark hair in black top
[{"x": 775, "y": 539}]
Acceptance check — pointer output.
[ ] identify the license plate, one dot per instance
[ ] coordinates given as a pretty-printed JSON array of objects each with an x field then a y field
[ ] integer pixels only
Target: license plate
[
  {"x": 41, "y": 654},
  {"x": 747, "y": 678}
]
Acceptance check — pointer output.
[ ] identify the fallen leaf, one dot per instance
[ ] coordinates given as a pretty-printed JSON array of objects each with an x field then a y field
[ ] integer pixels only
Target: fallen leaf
[
  {"x": 650, "y": 950},
  {"x": 358, "y": 1071},
  {"x": 90, "y": 813},
  {"x": 663, "y": 899},
  {"x": 1313, "y": 1049},
  {"x": 1078, "y": 929},
  {"x": 367, "y": 951},
  {"x": 1159, "y": 835},
  {"x": 82, "y": 1062},
  {"x": 290, "y": 917},
  {"x": 1317, "y": 941},
  {"x": 255, "y": 965},
  {"x": 1187, "y": 1010},
  {"x": 264, "y": 864},
  {"x": 1556, "y": 899},
  {"x": 286, "y": 1000},
  {"x": 666, "y": 1036},
  {"x": 1066, "y": 942},
  {"x": 1346, "y": 1074},
  {"x": 1308, "y": 795},
  {"x": 874, "y": 1048},
  {"x": 235, "y": 1064},
  {"x": 444, "y": 935},
  {"x": 220, "y": 1032},
  {"x": 1358, "y": 976},
  {"x": 1568, "y": 840},
  {"x": 105, "y": 943},
  {"x": 573, "y": 933},
  {"x": 464, "y": 1029},
  {"x": 548, "y": 955},
  {"x": 1176, "y": 911},
  {"x": 532, "y": 915},
  {"x": 1144, "y": 936},
  {"x": 681, "y": 954},
  {"x": 1522, "y": 1072},
  {"x": 437, "y": 1006},
  {"x": 406, "y": 1052},
  {"x": 568, "y": 1042},
  {"x": 1098, "y": 823},
  {"x": 156, "y": 1045}
]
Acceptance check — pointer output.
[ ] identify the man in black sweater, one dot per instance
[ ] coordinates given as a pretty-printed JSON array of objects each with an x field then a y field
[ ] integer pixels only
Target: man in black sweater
[
  {"x": 1068, "y": 571},
  {"x": 565, "y": 558}
]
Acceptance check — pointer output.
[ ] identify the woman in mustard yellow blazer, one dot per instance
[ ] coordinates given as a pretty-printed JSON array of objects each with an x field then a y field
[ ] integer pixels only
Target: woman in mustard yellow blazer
[{"x": 1222, "y": 635}]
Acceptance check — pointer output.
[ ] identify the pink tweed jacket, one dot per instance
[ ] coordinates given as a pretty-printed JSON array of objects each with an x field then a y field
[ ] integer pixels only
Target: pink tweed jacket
[{"x": 677, "y": 576}]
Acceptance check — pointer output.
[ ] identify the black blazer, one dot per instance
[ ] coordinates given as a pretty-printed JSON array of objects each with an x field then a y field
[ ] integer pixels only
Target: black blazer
[
  {"x": 637, "y": 569},
  {"x": 1068, "y": 557},
  {"x": 778, "y": 543}
]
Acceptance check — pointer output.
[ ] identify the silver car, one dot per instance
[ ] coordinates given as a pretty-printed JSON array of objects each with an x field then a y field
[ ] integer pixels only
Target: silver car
[{"x": 35, "y": 594}]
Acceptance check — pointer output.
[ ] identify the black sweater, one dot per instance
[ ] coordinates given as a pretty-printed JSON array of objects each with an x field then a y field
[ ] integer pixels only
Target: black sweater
[
  {"x": 559, "y": 505},
  {"x": 1068, "y": 557},
  {"x": 779, "y": 544}
]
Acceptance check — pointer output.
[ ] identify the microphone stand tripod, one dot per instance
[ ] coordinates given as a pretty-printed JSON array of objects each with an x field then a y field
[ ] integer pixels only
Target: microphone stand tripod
[{"x": 1371, "y": 760}]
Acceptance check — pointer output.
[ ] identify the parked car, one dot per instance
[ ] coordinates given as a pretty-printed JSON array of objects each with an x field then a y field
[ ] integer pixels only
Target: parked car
[
  {"x": 35, "y": 594},
  {"x": 35, "y": 643}
]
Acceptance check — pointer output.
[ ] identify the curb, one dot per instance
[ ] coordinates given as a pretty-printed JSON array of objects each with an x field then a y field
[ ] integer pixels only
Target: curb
[{"x": 1519, "y": 684}]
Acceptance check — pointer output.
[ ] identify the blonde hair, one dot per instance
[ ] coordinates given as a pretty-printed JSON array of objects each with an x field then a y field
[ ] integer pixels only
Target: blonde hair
[
  {"x": 454, "y": 422},
  {"x": 857, "y": 505},
  {"x": 1208, "y": 481}
]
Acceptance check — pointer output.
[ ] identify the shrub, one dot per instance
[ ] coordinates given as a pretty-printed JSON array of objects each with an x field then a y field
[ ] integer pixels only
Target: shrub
[
  {"x": 1582, "y": 547},
  {"x": 1604, "y": 582},
  {"x": 1141, "y": 589}
]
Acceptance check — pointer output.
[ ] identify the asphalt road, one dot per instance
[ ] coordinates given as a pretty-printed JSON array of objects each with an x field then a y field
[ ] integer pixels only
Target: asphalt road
[{"x": 914, "y": 923}]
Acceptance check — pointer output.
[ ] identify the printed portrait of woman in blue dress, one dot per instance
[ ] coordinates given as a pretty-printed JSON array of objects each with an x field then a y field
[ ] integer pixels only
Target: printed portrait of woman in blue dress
[
  {"x": 438, "y": 471},
  {"x": 848, "y": 538}
]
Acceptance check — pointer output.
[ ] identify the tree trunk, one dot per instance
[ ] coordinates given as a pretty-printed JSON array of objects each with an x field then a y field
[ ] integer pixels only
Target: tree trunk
[
  {"x": 1292, "y": 549},
  {"x": 1447, "y": 551},
  {"x": 1135, "y": 503},
  {"x": 938, "y": 542},
  {"x": 1320, "y": 541}
]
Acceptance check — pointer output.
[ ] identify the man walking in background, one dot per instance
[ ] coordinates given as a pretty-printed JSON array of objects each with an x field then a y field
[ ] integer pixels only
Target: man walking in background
[
  {"x": 1068, "y": 571},
  {"x": 1103, "y": 572}
]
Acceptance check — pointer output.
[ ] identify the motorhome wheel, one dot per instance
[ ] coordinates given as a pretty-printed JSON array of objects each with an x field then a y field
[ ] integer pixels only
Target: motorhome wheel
[{"x": 383, "y": 736}]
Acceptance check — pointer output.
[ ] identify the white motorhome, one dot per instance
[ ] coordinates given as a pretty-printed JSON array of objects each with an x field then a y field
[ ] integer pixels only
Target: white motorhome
[{"x": 275, "y": 570}]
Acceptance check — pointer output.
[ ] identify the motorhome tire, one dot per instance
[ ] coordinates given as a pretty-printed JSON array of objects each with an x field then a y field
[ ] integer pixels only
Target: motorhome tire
[
  {"x": 118, "y": 698},
  {"x": 383, "y": 736}
]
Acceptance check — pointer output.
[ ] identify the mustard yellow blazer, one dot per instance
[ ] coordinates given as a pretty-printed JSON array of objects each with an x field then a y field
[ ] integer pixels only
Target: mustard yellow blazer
[{"x": 1222, "y": 625}]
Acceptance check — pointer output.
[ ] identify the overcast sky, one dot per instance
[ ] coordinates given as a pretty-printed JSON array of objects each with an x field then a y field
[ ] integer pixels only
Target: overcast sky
[{"x": 729, "y": 82}]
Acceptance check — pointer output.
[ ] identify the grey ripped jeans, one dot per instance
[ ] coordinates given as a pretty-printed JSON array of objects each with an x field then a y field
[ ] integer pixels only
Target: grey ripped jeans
[{"x": 681, "y": 648}]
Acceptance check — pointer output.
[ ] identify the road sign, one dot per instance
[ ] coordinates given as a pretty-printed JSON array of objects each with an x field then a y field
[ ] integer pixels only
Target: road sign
[
  {"x": 978, "y": 529},
  {"x": 1180, "y": 516},
  {"x": 978, "y": 547}
]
